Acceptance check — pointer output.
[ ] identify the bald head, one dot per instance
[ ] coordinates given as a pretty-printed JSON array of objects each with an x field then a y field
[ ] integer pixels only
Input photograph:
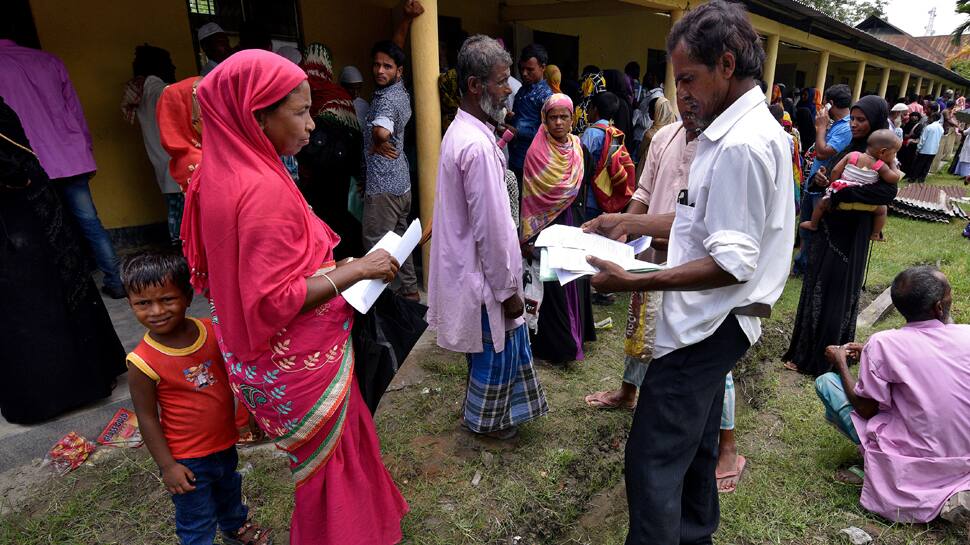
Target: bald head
[
  {"x": 884, "y": 139},
  {"x": 922, "y": 293}
]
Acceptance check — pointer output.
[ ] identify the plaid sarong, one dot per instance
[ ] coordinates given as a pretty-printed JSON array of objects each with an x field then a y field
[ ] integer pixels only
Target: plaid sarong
[{"x": 503, "y": 388}]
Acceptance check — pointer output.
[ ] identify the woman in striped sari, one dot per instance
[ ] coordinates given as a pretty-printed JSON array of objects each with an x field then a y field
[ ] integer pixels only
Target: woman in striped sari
[
  {"x": 552, "y": 193},
  {"x": 266, "y": 262}
]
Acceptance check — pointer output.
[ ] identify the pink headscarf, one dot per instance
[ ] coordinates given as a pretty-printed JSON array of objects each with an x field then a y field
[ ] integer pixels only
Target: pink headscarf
[{"x": 249, "y": 236}]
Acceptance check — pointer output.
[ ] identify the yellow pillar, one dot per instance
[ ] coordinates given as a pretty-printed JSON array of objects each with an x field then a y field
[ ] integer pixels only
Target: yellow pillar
[
  {"x": 905, "y": 85},
  {"x": 424, "y": 55},
  {"x": 770, "y": 61},
  {"x": 931, "y": 87},
  {"x": 823, "y": 68},
  {"x": 860, "y": 74},
  {"x": 884, "y": 82},
  {"x": 919, "y": 86},
  {"x": 670, "y": 85}
]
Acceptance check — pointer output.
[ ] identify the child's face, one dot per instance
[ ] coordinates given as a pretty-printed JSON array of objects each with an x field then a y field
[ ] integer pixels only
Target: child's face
[{"x": 159, "y": 308}]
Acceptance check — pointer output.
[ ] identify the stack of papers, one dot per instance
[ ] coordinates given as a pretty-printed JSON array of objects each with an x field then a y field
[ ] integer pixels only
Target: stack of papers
[
  {"x": 364, "y": 293},
  {"x": 563, "y": 251}
]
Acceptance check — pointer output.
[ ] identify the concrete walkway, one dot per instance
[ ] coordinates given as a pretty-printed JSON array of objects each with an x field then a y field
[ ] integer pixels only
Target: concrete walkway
[{"x": 20, "y": 445}]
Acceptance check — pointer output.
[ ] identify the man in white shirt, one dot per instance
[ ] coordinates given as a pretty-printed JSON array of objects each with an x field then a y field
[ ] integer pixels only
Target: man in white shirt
[{"x": 730, "y": 245}]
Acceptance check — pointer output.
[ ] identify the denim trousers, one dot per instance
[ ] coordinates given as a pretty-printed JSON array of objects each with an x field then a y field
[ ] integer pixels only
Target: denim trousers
[
  {"x": 216, "y": 500},
  {"x": 76, "y": 196},
  {"x": 837, "y": 407}
]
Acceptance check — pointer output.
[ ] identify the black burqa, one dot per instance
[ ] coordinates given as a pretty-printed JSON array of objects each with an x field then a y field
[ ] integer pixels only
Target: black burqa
[
  {"x": 58, "y": 349},
  {"x": 617, "y": 84},
  {"x": 829, "y": 302}
]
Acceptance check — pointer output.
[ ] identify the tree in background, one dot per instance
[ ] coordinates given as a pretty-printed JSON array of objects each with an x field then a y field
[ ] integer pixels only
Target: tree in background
[
  {"x": 850, "y": 12},
  {"x": 959, "y": 62}
]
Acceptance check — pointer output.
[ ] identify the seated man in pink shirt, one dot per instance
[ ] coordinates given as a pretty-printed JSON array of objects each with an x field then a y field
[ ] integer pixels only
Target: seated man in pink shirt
[{"x": 910, "y": 409}]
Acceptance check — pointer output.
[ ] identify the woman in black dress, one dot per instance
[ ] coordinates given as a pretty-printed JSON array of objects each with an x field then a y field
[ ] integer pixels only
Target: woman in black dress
[
  {"x": 829, "y": 302},
  {"x": 58, "y": 349}
]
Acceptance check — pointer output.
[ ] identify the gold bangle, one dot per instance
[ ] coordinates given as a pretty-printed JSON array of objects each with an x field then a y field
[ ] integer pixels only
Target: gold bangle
[{"x": 336, "y": 291}]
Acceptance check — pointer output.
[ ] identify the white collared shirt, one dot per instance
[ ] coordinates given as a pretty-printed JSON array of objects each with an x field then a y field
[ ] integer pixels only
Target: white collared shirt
[{"x": 741, "y": 212}]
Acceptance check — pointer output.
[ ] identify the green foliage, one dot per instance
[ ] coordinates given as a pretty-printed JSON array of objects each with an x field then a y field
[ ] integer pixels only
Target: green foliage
[
  {"x": 850, "y": 12},
  {"x": 961, "y": 66}
]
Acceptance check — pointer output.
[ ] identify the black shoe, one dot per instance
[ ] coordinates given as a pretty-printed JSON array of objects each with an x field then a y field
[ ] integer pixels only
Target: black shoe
[{"x": 114, "y": 292}]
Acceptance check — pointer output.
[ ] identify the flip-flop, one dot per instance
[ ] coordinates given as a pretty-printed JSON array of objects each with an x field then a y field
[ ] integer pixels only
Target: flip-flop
[
  {"x": 790, "y": 366},
  {"x": 597, "y": 401},
  {"x": 727, "y": 482},
  {"x": 853, "y": 476}
]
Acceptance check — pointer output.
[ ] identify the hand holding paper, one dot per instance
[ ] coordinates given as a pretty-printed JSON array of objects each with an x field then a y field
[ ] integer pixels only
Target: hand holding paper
[
  {"x": 363, "y": 294},
  {"x": 564, "y": 252}
]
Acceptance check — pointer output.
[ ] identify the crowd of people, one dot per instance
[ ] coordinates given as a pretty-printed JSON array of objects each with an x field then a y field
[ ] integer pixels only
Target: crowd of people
[{"x": 262, "y": 156}]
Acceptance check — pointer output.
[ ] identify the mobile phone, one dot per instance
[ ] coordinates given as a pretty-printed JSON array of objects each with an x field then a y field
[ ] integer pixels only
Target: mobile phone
[{"x": 828, "y": 106}]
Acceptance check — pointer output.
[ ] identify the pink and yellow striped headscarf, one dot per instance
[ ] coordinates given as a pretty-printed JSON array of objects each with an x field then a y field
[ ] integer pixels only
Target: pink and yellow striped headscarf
[{"x": 552, "y": 174}]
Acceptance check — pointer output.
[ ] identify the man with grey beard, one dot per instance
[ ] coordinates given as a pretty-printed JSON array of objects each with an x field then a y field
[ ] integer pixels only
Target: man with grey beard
[{"x": 475, "y": 282}]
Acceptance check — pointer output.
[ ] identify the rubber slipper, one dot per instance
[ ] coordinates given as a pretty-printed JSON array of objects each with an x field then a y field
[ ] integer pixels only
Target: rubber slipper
[
  {"x": 598, "y": 401},
  {"x": 728, "y": 482},
  {"x": 790, "y": 366},
  {"x": 854, "y": 476}
]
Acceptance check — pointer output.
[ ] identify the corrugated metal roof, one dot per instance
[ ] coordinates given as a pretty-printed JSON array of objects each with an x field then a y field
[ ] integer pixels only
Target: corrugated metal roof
[
  {"x": 930, "y": 202},
  {"x": 801, "y": 16}
]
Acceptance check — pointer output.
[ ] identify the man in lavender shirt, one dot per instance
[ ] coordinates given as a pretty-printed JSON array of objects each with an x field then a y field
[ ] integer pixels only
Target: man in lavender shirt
[
  {"x": 36, "y": 85},
  {"x": 475, "y": 284},
  {"x": 909, "y": 412}
]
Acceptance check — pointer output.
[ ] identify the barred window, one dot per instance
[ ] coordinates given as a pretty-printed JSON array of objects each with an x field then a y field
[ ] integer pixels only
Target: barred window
[{"x": 202, "y": 7}]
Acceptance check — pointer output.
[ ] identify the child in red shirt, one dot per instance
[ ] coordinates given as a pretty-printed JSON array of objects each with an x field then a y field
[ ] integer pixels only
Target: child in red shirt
[{"x": 179, "y": 369}]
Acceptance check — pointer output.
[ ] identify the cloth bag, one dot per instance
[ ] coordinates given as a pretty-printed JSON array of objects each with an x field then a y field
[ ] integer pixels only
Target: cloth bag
[{"x": 382, "y": 340}]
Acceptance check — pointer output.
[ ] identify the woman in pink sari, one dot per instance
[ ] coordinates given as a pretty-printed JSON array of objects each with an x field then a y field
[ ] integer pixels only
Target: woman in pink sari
[{"x": 266, "y": 262}]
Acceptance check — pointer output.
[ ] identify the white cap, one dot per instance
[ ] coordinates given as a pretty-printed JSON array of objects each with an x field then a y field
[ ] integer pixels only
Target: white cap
[
  {"x": 209, "y": 29},
  {"x": 350, "y": 74},
  {"x": 899, "y": 108},
  {"x": 290, "y": 53}
]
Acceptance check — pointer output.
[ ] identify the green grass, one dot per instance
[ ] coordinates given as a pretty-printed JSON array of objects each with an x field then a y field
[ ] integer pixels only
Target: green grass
[{"x": 561, "y": 481}]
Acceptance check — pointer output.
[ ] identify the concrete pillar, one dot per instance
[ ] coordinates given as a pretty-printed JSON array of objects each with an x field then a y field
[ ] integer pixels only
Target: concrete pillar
[
  {"x": 904, "y": 86},
  {"x": 670, "y": 85},
  {"x": 919, "y": 86},
  {"x": 424, "y": 56},
  {"x": 884, "y": 82},
  {"x": 823, "y": 68},
  {"x": 860, "y": 74},
  {"x": 929, "y": 90},
  {"x": 771, "y": 60}
]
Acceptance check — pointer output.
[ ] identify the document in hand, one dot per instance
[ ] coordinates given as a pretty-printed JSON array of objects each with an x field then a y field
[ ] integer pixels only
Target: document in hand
[
  {"x": 364, "y": 293},
  {"x": 564, "y": 250}
]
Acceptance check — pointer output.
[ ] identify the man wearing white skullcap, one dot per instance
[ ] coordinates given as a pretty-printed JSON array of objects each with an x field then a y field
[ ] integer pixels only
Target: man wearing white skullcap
[
  {"x": 215, "y": 44},
  {"x": 352, "y": 80}
]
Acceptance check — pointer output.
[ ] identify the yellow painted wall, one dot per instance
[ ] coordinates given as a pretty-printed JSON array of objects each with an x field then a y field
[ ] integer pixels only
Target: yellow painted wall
[
  {"x": 606, "y": 41},
  {"x": 477, "y": 17},
  {"x": 349, "y": 32},
  {"x": 96, "y": 40}
]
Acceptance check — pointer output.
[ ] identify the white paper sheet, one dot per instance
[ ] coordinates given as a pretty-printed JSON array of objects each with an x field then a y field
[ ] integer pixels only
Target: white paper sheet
[
  {"x": 364, "y": 293},
  {"x": 640, "y": 245},
  {"x": 564, "y": 251}
]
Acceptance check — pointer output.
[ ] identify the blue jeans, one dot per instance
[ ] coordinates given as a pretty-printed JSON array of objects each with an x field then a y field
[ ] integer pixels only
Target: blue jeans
[
  {"x": 217, "y": 499},
  {"x": 837, "y": 407},
  {"x": 809, "y": 200},
  {"x": 76, "y": 196}
]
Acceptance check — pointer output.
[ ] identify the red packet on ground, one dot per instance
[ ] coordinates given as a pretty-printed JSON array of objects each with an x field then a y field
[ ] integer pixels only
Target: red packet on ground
[
  {"x": 121, "y": 431},
  {"x": 69, "y": 453}
]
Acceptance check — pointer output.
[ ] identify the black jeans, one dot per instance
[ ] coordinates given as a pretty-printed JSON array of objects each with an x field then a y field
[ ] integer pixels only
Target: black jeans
[{"x": 671, "y": 453}]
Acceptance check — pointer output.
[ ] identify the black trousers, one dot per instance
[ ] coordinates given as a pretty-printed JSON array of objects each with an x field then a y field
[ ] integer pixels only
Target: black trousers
[
  {"x": 921, "y": 166},
  {"x": 671, "y": 453}
]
